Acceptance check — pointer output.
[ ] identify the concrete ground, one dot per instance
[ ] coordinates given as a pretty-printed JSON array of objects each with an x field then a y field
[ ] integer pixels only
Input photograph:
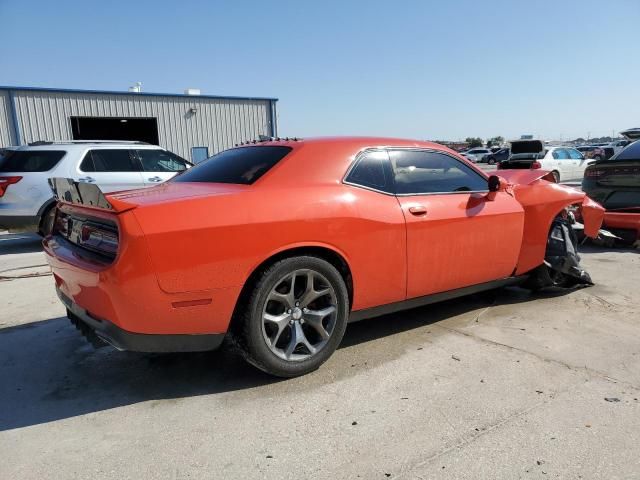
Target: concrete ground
[{"x": 500, "y": 385}]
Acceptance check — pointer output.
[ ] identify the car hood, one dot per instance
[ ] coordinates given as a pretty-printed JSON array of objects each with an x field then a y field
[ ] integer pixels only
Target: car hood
[{"x": 631, "y": 134}]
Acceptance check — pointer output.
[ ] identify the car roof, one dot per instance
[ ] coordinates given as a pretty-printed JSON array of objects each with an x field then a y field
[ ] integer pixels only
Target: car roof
[
  {"x": 326, "y": 159},
  {"x": 355, "y": 142},
  {"x": 81, "y": 145}
]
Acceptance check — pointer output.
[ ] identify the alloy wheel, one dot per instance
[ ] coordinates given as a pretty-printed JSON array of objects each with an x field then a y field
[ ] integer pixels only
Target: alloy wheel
[{"x": 299, "y": 315}]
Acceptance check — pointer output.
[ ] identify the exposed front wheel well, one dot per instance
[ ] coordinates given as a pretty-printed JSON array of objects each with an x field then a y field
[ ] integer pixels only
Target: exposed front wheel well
[{"x": 324, "y": 253}]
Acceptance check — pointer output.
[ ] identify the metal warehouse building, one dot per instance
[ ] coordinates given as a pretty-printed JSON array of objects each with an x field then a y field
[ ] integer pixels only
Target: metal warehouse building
[{"x": 193, "y": 126}]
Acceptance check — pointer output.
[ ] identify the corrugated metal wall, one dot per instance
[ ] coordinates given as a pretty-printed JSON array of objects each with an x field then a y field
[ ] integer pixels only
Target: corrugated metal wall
[
  {"x": 218, "y": 123},
  {"x": 7, "y": 136}
]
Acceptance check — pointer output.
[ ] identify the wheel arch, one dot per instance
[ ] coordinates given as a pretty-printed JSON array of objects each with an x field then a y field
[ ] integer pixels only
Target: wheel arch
[
  {"x": 328, "y": 253},
  {"x": 541, "y": 209}
]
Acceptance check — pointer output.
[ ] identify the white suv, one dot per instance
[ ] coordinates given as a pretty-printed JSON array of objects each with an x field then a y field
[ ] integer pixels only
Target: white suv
[{"x": 26, "y": 200}]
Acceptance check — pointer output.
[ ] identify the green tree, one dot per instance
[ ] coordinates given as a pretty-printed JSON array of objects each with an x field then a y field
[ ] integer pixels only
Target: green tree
[
  {"x": 474, "y": 142},
  {"x": 495, "y": 141}
]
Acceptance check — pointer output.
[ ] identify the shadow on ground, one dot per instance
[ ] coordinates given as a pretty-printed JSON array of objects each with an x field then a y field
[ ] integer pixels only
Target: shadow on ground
[
  {"x": 49, "y": 372},
  {"x": 14, "y": 243}
]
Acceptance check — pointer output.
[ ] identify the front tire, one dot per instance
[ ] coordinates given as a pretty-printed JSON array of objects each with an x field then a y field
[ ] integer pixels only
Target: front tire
[
  {"x": 491, "y": 161},
  {"x": 295, "y": 318},
  {"x": 561, "y": 267}
]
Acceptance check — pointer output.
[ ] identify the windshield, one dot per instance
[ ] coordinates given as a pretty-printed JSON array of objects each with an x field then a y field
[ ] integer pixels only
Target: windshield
[
  {"x": 242, "y": 165},
  {"x": 29, "y": 160},
  {"x": 631, "y": 152}
]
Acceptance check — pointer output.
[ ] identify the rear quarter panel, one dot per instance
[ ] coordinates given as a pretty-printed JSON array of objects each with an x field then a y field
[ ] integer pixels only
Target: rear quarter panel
[{"x": 216, "y": 242}]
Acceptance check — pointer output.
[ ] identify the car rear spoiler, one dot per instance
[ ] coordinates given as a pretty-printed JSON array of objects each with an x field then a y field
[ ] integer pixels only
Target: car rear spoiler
[{"x": 89, "y": 195}]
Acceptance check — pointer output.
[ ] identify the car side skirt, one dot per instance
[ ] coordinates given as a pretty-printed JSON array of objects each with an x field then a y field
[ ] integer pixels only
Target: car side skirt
[{"x": 433, "y": 298}]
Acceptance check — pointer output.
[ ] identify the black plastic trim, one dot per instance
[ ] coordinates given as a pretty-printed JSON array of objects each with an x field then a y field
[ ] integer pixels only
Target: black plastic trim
[
  {"x": 136, "y": 342},
  {"x": 434, "y": 298}
]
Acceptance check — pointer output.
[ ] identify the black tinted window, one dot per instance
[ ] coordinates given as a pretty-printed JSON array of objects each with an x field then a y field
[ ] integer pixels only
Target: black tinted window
[
  {"x": 372, "y": 170},
  {"x": 161, "y": 161},
  {"x": 242, "y": 165},
  {"x": 29, "y": 160},
  {"x": 109, "y": 161},
  {"x": 631, "y": 152},
  {"x": 433, "y": 172}
]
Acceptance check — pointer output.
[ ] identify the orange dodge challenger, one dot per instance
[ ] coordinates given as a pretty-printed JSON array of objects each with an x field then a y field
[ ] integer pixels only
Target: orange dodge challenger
[{"x": 278, "y": 244}]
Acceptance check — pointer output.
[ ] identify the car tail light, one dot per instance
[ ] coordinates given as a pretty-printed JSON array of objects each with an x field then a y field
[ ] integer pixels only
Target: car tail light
[
  {"x": 98, "y": 238},
  {"x": 595, "y": 173},
  {"x": 6, "y": 181},
  {"x": 536, "y": 165}
]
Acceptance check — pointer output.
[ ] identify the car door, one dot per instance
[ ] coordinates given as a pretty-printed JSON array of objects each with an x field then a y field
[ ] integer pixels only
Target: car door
[
  {"x": 457, "y": 234},
  {"x": 159, "y": 165},
  {"x": 579, "y": 163},
  {"x": 112, "y": 169}
]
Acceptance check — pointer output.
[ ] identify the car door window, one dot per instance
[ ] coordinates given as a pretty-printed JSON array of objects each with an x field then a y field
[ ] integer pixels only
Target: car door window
[
  {"x": 103, "y": 160},
  {"x": 372, "y": 170},
  {"x": 574, "y": 154},
  {"x": 161, "y": 161},
  {"x": 418, "y": 172},
  {"x": 560, "y": 154}
]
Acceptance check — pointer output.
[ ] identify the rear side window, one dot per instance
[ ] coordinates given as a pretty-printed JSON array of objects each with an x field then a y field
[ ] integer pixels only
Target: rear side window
[
  {"x": 372, "y": 170},
  {"x": 574, "y": 154},
  {"x": 103, "y": 160},
  {"x": 417, "y": 172},
  {"x": 243, "y": 165},
  {"x": 161, "y": 161},
  {"x": 560, "y": 154},
  {"x": 631, "y": 152},
  {"x": 30, "y": 160}
]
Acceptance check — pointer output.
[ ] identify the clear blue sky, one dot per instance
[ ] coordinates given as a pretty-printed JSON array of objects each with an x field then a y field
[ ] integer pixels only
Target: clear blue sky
[{"x": 418, "y": 69}]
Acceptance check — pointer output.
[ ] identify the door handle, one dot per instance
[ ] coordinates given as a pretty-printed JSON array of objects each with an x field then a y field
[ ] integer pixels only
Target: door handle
[
  {"x": 418, "y": 210},
  {"x": 154, "y": 179},
  {"x": 86, "y": 179}
]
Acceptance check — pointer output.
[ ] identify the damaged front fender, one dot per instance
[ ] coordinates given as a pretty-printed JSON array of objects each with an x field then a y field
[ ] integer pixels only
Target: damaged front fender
[{"x": 592, "y": 216}]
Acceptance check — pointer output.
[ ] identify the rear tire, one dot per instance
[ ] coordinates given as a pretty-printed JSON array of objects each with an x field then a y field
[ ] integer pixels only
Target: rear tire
[
  {"x": 46, "y": 221},
  {"x": 556, "y": 175},
  {"x": 295, "y": 318},
  {"x": 491, "y": 161}
]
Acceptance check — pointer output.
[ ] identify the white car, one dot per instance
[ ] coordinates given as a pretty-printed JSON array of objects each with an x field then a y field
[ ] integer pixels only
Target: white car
[
  {"x": 476, "y": 154},
  {"x": 26, "y": 200},
  {"x": 565, "y": 163}
]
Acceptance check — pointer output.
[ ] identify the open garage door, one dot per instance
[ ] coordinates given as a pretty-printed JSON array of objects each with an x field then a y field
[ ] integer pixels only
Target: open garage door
[{"x": 110, "y": 128}]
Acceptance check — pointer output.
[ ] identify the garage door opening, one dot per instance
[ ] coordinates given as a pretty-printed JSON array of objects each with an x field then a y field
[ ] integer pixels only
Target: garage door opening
[{"x": 110, "y": 128}]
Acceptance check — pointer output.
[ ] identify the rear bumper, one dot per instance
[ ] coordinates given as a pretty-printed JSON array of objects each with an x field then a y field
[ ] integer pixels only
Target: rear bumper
[
  {"x": 110, "y": 333},
  {"x": 619, "y": 222},
  {"x": 19, "y": 222}
]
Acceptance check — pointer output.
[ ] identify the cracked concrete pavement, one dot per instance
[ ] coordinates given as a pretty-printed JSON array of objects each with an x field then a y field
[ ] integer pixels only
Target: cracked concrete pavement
[{"x": 499, "y": 385}]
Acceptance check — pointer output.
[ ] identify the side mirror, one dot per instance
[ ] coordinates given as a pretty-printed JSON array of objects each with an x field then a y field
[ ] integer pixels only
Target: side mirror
[{"x": 497, "y": 184}]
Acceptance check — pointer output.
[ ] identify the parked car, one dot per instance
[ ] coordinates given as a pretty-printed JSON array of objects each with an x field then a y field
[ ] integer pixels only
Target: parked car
[
  {"x": 4, "y": 151},
  {"x": 615, "y": 183},
  {"x": 26, "y": 201},
  {"x": 277, "y": 244},
  {"x": 593, "y": 152},
  {"x": 496, "y": 157},
  {"x": 564, "y": 163},
  {"x": 618, "y": 145},
  {"x": 476, "y": 154}
]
